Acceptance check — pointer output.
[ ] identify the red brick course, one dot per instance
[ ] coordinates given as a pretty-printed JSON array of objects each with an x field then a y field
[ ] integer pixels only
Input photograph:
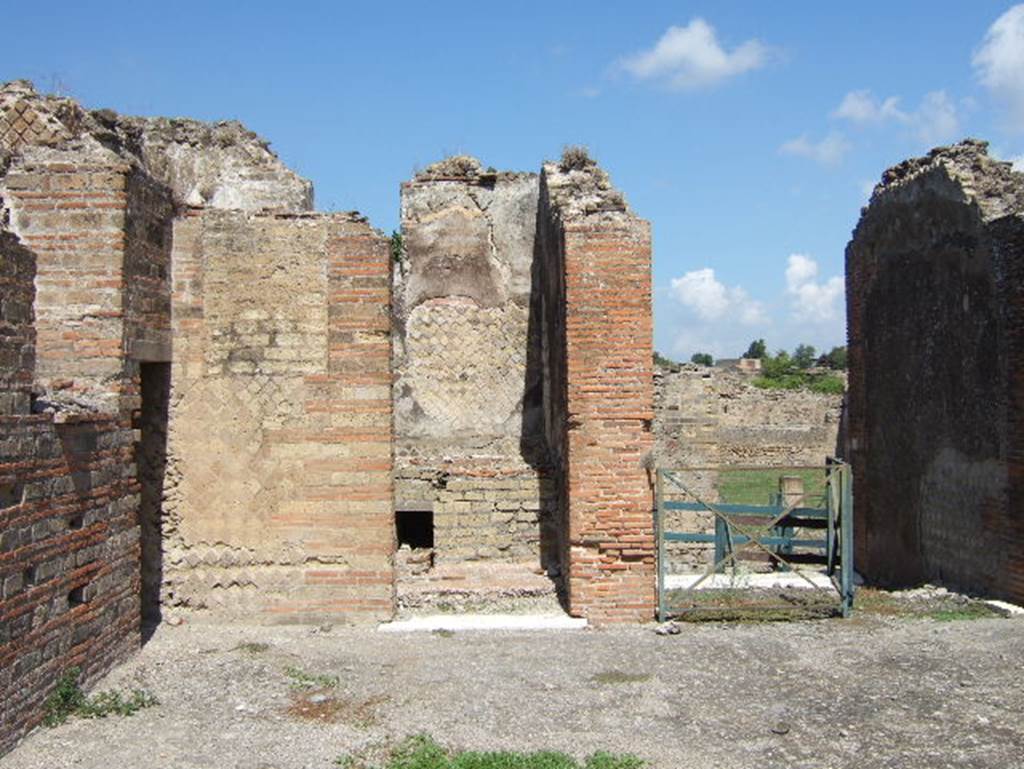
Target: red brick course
[
  {"x": 72, "y": 525},
  {"x": 609, "y": 353}
]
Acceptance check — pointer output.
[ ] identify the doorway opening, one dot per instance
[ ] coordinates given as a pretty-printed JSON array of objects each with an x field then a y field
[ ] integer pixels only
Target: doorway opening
[{"x": 151, "y": 463}]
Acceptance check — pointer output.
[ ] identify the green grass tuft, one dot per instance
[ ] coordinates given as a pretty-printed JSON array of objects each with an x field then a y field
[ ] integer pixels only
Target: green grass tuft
[
  {"x": 422, "y": 752},
  {"x": 303, "y": 680},
  {"x": 68, "y": 700},
  {"x": 619, "y": 677}
]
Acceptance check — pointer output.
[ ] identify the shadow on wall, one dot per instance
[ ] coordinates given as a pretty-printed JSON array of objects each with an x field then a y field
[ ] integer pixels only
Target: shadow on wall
[
  {"x": 544, "y": 396},
  {"x": 151, "y": 459}
]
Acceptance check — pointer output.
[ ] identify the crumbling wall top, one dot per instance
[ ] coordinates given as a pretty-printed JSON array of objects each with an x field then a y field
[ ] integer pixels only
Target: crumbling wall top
[
  {"x": 578, "y": 187},
  {"x": 466, "y": 169},
  {"x": 963, "y": 172},
  {"x": 222, "y": 164}
]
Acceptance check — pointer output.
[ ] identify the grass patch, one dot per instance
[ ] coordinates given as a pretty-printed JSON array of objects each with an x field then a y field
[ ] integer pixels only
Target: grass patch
[
  {"x": 252, "y": 647},
  {"x": 619, "y": 677},
  {"x": 68, "y": 700},
  {"x": 970, "y": 611},
  {"x": 422, "y": 752},
  {"x": 941, "y": 607},
  {"x": 752, "y": 605},
  {"x": 828, "y": 384},
  {"x": 756, "y": 487},
  {"x": 300, "y": 679}
]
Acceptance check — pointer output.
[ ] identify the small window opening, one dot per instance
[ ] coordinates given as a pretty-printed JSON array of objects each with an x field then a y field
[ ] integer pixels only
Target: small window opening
[
  {"x": 28, "y": 577},
  {"x": 11, "y": 494},
  {"x": 77, "y": 596},
  {"x": 415, "y": 528},
  {"x": 76, "y": 521}
]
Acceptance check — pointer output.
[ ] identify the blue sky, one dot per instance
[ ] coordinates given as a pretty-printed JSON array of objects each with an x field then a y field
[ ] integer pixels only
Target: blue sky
[{"x": 748, "y": 133}]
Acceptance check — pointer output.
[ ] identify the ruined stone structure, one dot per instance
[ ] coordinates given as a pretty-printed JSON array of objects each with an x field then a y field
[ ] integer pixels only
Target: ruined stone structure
[
  {"x": 715, "y": 416},
  {"x": 279, "y": 475},
  {"x": 200, "y": 408},
  {"x": 69, "y": 536},
  {"x": 469, "y": 442},
  {"x": 936, "y": 350},
  {"x": 503, "y": 292}
]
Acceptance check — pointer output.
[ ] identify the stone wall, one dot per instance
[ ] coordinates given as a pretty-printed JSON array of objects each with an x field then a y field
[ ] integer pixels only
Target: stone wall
[
  {"x": 709, "y": 417},
  {"x": 468, "y": 442},
  {"x": 599, "y": 377},
  {"x": 217, "y": 165},
  {"x": 69, "y": 551},
  {"x": 935, "y": 349},
  {"x": 68, "y": 534},
  {"x": 279, "y": 501},
  {"x": 523, "y": 376},
  {"x": 17, "y": 331},
  {"x": 70, "y": 211}
]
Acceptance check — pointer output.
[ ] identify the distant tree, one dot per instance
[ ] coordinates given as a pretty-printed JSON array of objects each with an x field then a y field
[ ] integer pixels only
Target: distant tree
[
  {"x": 836, "y": 358},
  {"x": 804, "y": 355},
  {"x": 778, "y": 366},
  {"x": 757, "y": 349},
  {"x": 702, "y": 359},
  {"x": 663, "y": 362}
]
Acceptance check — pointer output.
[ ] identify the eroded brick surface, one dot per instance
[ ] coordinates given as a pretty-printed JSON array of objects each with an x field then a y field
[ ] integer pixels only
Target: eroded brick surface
[
  {"x": 279, "y": 478},
  {"x": 69, "y": 551},
  {"x": 17, "y": 330},
  {"x": 599, "y": 292},
  {"x": 469, "y": 440},
  {"x": 933, "y": 298}
]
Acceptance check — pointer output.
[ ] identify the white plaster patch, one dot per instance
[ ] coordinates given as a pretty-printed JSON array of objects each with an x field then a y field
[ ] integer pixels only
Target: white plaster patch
[{"x": 459, "y": 622}]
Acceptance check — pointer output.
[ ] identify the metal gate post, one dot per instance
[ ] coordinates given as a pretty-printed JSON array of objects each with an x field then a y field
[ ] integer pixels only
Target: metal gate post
[
  {"x": 659, "y": 531},
  {"x": 721, "y": 537},
  {"x": 846, "y": 541}
]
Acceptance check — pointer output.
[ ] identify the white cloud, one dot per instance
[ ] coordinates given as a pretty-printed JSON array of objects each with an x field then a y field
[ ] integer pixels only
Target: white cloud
[
  {"x": 1018, "y": 163},
  {"x": 711, "y": 300},
  {"x": 830, "y": 151},
  {"x": 812, "y": 301},
  {"x": 999, "y": 62},
  {"x": 935, "y": 120},
  {"x": 691, "y": 57},
  {"x": 863, "y": 107}
]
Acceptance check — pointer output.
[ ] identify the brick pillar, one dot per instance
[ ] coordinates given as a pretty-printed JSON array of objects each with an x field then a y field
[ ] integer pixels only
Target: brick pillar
[{"x": 609, "y": 357}]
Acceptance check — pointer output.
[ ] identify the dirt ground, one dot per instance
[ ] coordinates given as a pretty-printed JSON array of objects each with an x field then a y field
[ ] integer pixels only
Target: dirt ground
[{"x": 874, "y": 691}]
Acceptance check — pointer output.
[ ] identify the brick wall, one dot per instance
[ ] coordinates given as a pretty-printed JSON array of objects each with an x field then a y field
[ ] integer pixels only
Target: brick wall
[
  {"x": 933, "y": 290},
  {"x": 71, "y": 213},
  {"x": 605, "y": 255},
  {"x": 17, "y": 331},
  {"x": 279, "y": 496},
  {"x": 147, "y": 269},
  {"x": 69, "y": 550}
]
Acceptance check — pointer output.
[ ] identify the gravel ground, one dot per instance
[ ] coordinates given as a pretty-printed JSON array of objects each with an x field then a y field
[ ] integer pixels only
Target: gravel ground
[{"x": 867, "y": 692}]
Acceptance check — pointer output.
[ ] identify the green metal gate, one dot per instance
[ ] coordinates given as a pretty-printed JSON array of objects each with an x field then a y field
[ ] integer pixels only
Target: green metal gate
[{"x": 755, "y": 526}]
